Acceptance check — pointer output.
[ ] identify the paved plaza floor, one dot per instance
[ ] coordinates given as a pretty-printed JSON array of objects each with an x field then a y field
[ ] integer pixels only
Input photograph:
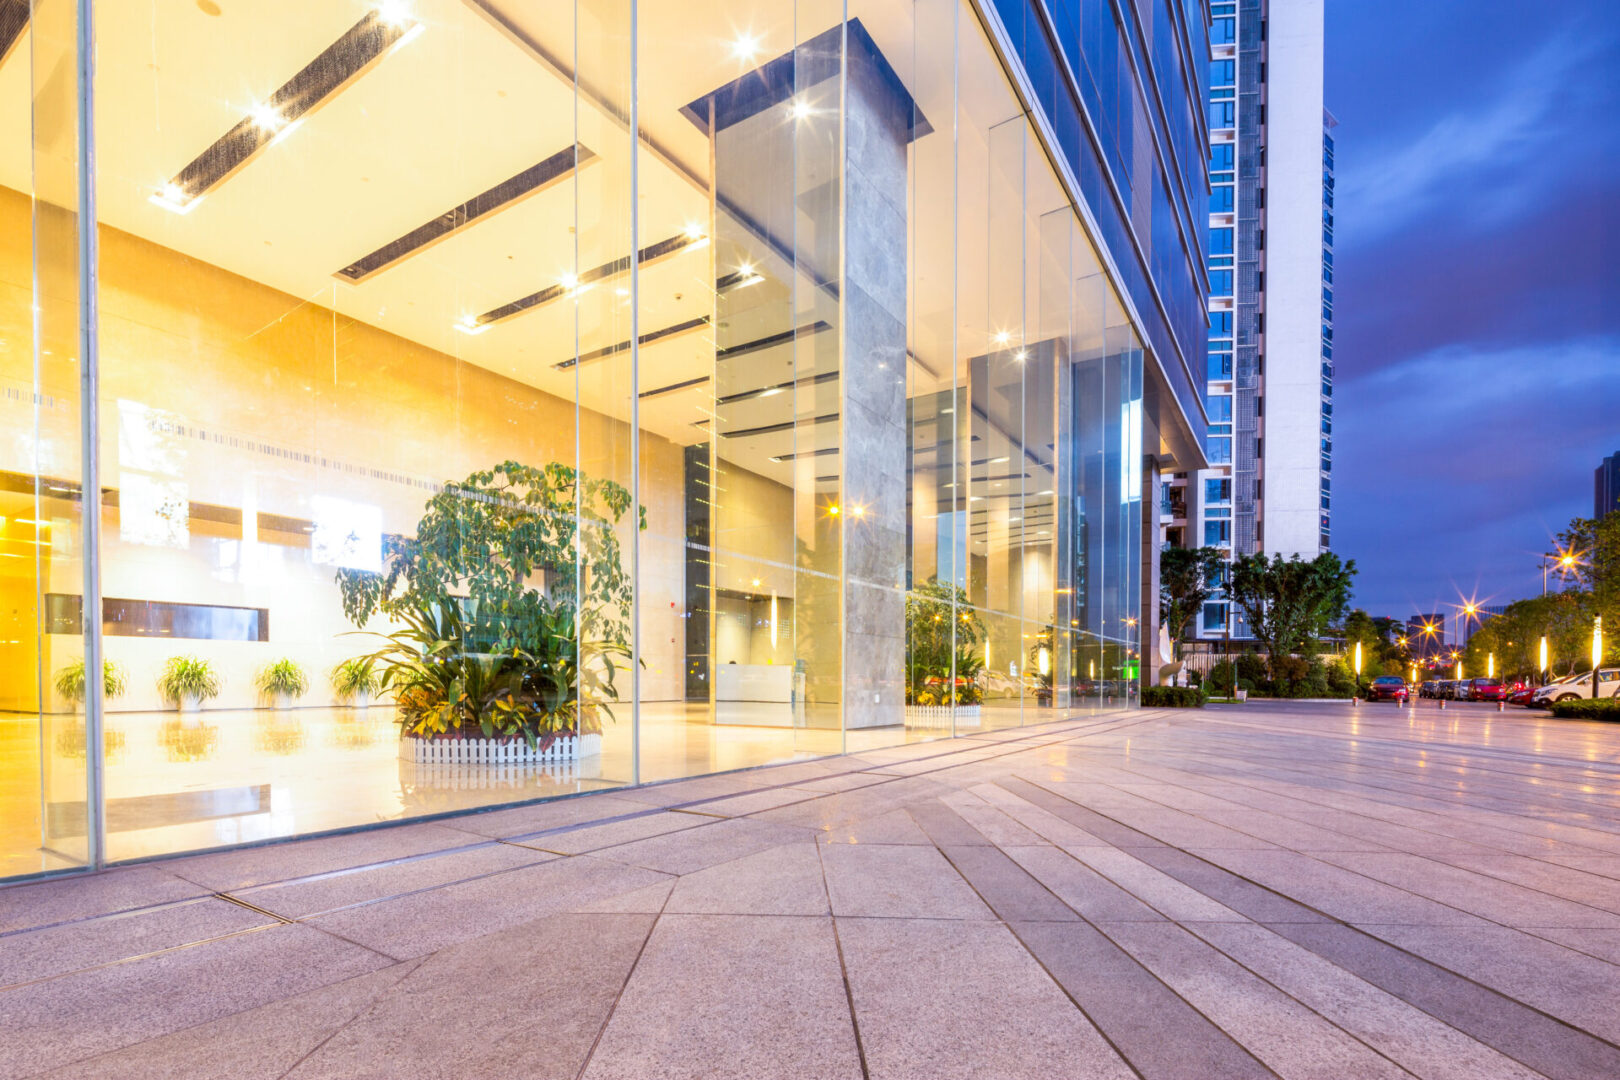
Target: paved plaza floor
[{"x": 1306, "y": 891}]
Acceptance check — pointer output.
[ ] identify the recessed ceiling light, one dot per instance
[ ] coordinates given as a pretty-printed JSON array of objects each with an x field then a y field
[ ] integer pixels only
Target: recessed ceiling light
[
  {"x": 800, "y": 108},
  {"x": 394, "y": 12},
  {"x": 267, "y": 117},
  {"x": 173, "y": 197},
  {"x": 1022, "y": 354},
  {"x": 469, "y": 324},
  {"x": 745, "y": 47},
  {"x": 1001, "y": 337}
]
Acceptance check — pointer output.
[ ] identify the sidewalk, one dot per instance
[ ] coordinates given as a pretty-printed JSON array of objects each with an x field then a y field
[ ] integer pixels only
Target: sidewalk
[{"x": 1290, "y": 890}]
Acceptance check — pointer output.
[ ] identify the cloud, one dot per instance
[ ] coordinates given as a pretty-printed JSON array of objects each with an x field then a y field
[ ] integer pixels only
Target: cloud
[
  {"x": 1491, "y": 159},
  {"x": 1453, "y": 468}
]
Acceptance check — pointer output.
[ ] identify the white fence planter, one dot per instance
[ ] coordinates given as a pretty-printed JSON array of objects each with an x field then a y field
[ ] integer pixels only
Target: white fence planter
[
  {"x": 496, "y": 751},
  {"x": 938, "y": 717}
]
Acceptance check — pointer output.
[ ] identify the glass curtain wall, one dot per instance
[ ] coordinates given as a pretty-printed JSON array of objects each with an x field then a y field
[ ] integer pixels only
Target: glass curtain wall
[
  {"x": 44, "y": 824},
  {"x": 648, "y": 390}
]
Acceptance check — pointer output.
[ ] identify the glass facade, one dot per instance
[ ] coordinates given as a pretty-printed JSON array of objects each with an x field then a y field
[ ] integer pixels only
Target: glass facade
[{"x": 494, "y": 400}]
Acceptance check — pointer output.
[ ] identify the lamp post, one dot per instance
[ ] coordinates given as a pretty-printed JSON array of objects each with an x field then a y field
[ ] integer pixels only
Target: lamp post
[
  {"x": 1544, "y": 659},
  {"x": 1564, "y": 560},
  {"x": 1357, "y": 698},
  {"x": 1597, "y": 651}
]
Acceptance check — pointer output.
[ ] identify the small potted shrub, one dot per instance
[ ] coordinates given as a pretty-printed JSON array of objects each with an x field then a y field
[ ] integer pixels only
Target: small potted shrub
[
  {"x": 188, "y": 681},
  {"x": 355, "y": 682},
  {"x": 70, "y": 681},
  {"x": 281, "y": 682}
]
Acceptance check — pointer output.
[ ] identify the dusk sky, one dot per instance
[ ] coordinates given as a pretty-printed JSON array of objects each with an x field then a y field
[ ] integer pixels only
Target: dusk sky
[{"x": 1477, "y": 288}]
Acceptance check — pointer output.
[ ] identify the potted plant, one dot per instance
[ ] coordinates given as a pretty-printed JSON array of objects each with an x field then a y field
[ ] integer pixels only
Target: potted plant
[
  {"x": 282, "y": 682},
  {"x": 354, "y": 681},
  {"x": 943, "y": 664},
  {"x": 518, "y": 663},
  {"x": 70, "y": 681},
  {"x": 188, "y": 681}
]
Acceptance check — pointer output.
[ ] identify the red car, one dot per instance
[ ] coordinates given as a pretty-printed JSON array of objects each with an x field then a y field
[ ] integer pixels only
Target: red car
[
  {"x": 1388, "y": 688},
  {"x": 1522, "y": 695},
  {"x": 1487, "y": 690}
]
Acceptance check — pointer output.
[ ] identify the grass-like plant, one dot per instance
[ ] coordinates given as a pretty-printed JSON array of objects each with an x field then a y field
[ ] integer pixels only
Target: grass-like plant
[
  {"x": 355, "y": 678},
  {"x": 70, "y": 680},
  {"x": 282, "y": 678},
  {"x": 189, "y": 676}
]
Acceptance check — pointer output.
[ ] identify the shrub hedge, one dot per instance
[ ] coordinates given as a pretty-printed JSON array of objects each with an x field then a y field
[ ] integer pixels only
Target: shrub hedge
[
  {"x": 1579, "y": 709},
  {"x": 1172, "y": 697}
]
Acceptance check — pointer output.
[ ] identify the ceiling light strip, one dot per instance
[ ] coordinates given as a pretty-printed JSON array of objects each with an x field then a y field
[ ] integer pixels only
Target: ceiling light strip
[
  {"x": 531, "y": 181},
  {"x": 663, "y": 249},
  {"x": 648, "y": 338},
  {"x": 13, "y": 18},
  {"x": 345, "y": 60}
]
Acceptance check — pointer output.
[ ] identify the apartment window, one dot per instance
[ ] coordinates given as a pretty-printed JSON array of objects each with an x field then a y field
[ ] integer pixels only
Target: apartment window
[
  {"x": 1259, "y": 489},
  {"x": 1220, "y": 409},
  {"x": 1220, "y": 366},
  {"x": 1327, "y": 503},
  {"x": 1223, "y": 31},
  {"x": 1259, "y": 447},
  {"x": 1217, "y": 533},
  {"x": 1259, "y": 406},
  {"x": 1223, "y": 114},
  {"x": 1217, "y": 491},
  {"x": 1220, "y": 241},
  {"x": 1220, "y": 451},
  {"x": 1222, "y": 72},
  {"x": 1220, "y": 199},
  {"x": 1221, "y": 156},
  {"x": 1220, "y": 322},
  {"x": 1214, "y": 616},
  {"x": 1220, "y": 281}
]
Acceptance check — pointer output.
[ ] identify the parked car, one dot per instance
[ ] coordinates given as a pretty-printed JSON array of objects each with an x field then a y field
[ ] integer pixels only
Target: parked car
[
  {"x": 1522, "y": 695},
  {"x": 1429, "y": 688},
  {"x": 1487, "y": 690},
  {"x": 1388, "y": 688},
  {"x": 1580, "y": 686}
]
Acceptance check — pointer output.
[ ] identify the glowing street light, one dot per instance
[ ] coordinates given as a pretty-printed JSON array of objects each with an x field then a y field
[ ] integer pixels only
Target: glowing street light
[
  {"x": 1543, "y": 655},
  {"x": 1597, "y": 651}
]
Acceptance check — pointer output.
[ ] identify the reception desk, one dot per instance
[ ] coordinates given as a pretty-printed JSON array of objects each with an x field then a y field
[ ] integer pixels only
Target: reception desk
[{"x": 753, "y": 682}]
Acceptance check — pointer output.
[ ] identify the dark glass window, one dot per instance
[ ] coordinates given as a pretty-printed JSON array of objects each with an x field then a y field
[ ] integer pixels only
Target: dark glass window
[
  {"x": 1220, "y": 283},
  {"x": 1222, "y": 72},
  {"x": 1220, "y": 241},
  {"x": 160, "y": 619},
  {"x": 1223, "y": 31},
  {"x": 1220, "y": 322},
  {"x": 1220, "y": 199}
]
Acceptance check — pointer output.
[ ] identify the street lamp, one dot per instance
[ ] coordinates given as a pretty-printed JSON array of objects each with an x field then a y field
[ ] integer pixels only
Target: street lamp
[
  {"x": 1543, "y": 658},
  {"x": 1564, "y": 560},
  {"x": 1490, "y": 665},
  {"x": 1357, "y": 698},
  {"x": 1597, "y": 651}
]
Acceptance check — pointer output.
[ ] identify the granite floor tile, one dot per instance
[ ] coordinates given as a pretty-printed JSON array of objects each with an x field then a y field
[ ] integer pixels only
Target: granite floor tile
[
  {"x": 732, "y": 996},
  {"x": 1411, "y": 1038},
  {"x": 649, "y": 899},
  {"x": 1081, "y": 887},
  {"x": 1526, "y": 1035},
  {"x": 39, "y": 954},
  {"x": 227, "y": 870},
  {"x": 944, "y": 826},
  {"x": 890, "y": 827},
  {"x": 1479, "y": 894},
  {"x": 1341, "y": 893},
  {"x": 61, "y": 1020},
  {"x": 1007, "y": 887},
  {"x": 299, "y": 899},
  {"x": 962, "y": 1001},
  {"x": 527, "y": 820},
  {"x": 784, "y": 880},
  {"x": 695, "y": 849},
  {"x": 753, "y": 802},
  {"x": 255, "y": 1044},
  {"x": 1154, "y": 887},
  {"x": 1162, "y": 1036},
  {"x": 1602, "y": 944},
  {"x": 585, "y": 838},
  {"x": 82, "y": 896},
  {"x": 425, "y": 922},
  {"x": 990, "y": 821},
  {"x": 1242, "y": 896},
  {"x": 1577, "y": 989},
  {"x": 1289, "y": 1038},
  {"x": 897, "y": 882},
  {"x": 558, "y": 977}
]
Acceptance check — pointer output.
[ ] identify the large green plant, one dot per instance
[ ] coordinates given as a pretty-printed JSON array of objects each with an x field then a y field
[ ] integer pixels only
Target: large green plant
[
  {"x": 1289, "y": 602},
  {"x": 70, "y": 680},
  {"x": 514, "y": 601},
  {"x": 189, "y": 676},
  {"x": 484, "y": 541},
  {"x": 354, "y": 678},
  {"x": 943, "y": 634},
  {"x": 282, "y": 677}
]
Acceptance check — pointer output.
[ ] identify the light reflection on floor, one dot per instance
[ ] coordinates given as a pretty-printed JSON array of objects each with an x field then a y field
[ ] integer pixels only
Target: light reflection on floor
[{"x": 204, "y": 780}]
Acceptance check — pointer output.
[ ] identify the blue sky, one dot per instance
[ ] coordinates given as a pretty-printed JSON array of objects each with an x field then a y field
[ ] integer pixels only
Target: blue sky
[{"x": 1477, "y": 288}]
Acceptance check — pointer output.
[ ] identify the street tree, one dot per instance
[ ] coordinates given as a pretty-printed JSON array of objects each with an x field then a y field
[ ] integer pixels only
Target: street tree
[
  {"x": 1289, "y": 602},
  {"x": 1188, "y": 577}
]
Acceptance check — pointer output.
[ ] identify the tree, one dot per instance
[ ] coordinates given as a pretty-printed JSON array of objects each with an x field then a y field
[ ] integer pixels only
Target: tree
[
  {"x": 1289, "y": 602},
  {"x": 1188, "y": 577}
]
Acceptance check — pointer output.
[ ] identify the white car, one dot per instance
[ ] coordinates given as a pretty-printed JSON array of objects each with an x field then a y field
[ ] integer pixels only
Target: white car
[{"x": 1578, "y": 686}]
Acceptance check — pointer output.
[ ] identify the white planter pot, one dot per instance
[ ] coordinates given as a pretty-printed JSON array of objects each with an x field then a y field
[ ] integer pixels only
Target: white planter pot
[
  {"x": 938, "y": 717},
  {"x": 283, "y": 701},
  {"x": 190, "y": 703},
  {"x": 360, "y": 701},
  {"x": 496, "y": 751}
]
